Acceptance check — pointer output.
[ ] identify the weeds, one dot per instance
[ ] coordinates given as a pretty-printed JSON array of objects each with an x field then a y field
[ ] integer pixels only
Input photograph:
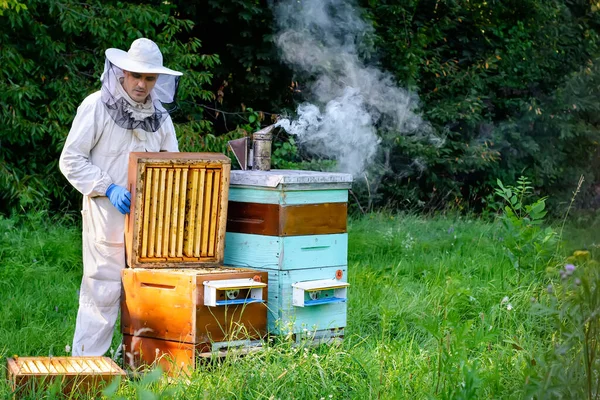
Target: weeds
[
  {"x": 433, "y": 312},
  {"x": 527, "y": 243}
]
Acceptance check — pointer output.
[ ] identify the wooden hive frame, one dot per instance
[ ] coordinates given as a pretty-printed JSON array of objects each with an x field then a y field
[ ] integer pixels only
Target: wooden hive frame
[
  {"x": 178, "y": 209},
  {"x": 84, "y": 374}
]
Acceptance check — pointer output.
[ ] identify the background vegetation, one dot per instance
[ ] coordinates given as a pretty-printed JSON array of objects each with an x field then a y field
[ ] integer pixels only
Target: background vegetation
[
  {"x": 436, "y": 309},
  {"x": 511, "y": 85}
]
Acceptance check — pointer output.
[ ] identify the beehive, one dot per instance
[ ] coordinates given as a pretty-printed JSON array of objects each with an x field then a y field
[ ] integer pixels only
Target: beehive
[
  {"x": 292, "y": 224},
  {"x": 178, "y": 209},
  {"x": 83, "y": 374},
  {"x": 182, "y": 312}
]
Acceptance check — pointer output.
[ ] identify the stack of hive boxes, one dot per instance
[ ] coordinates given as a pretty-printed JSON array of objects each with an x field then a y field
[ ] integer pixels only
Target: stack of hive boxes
[
  {"x": 293, "y": 225},
  {"x": 178, "y": 299}
]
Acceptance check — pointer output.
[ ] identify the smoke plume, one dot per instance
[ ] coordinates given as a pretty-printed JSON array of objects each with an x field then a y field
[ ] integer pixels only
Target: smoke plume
[{"x": 351, "y": 101}]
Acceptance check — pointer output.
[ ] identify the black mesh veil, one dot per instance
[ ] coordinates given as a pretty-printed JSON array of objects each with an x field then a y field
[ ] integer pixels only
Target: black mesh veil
[{"x": 130, "y": 114}]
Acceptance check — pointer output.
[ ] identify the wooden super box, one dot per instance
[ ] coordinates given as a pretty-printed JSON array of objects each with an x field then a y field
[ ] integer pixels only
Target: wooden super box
[{"x": 178, "y": 209}]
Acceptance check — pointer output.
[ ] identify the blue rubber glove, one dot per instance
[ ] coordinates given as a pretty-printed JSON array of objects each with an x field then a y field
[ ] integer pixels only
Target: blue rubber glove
[{"x": 119, "y": 197}]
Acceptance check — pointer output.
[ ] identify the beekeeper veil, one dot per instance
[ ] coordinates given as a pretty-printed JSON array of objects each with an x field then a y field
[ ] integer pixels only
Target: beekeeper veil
[{"x": 143, "y": 57}]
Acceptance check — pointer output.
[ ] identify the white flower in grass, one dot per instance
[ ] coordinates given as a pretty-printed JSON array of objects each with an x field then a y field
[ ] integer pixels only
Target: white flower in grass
[
  {"x": 504, "y": 300},
  {"x": 67, "y": 349},
  {"x": 509, "y": 307}
]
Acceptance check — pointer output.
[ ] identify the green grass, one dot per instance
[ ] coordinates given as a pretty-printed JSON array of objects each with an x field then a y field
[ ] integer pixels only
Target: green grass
[{"x": 435, "y": 311}]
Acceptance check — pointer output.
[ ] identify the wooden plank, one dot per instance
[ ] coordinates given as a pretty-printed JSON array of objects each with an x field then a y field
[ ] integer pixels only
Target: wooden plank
[
  {"x": 146, "y": 224},
  {"x": 199, "y": 213},
  {"x": 153, "y": 201},
  {"x": 75, "y": 366},
  {"x": 161, "y": 212},
  {"x": 157, "y": 303},
  {"x": 49, "y": 364},
  {"x": 278, "y": 196},
  {"x": 222, "y": 224},
  {"x": 168, "y": 158},
  {"x": 169, "y": 211},
  {"x": 173, "y": 357},
  {"x": 31, "y": 366},
  {"x": 58, "y": 366},
  {"x": 41, "y": 367},
  {"x": 92, "y": 366},
  {"x": 191, "y": 208},
  {"x": 169, "y": 304},
  {"x": 23, "y": 367},
  {"x": 181, "y": 222},
  {"x": 313, "y": 219},
  {"x": 175, "y": 204},
  {"x": 291, "y": 252},
  {"x": 214, "y": 212},
  {"x": 207, "y": 212}
]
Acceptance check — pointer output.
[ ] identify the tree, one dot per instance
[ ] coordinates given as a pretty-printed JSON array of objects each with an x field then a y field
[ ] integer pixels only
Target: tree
[{"x": 52, "y": 55}]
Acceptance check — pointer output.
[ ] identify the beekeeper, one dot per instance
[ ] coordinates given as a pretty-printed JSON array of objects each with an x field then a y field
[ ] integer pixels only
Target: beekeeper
[{"x": 130, "y": 113}]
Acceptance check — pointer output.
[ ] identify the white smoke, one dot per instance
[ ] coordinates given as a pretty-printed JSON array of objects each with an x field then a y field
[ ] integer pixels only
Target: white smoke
[{"x": 352, "y": 100}]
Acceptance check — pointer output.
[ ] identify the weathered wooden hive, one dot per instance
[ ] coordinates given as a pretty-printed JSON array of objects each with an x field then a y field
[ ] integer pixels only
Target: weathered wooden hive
[
  {"x": 293, "y": 225},
  {"x": 179, "y": 301}
]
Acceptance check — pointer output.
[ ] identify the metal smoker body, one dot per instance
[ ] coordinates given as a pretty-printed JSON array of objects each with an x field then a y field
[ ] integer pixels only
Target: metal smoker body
[{"x": 257, "y": 154}]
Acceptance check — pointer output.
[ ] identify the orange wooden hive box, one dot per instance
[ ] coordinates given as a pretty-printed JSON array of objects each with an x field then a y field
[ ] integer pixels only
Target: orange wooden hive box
[
  {"x": 178, "y": 300},
  {"x": 184, "y": 313},
  {"x": 178, "y": 209},
  {"x": 83, "y": 374}
]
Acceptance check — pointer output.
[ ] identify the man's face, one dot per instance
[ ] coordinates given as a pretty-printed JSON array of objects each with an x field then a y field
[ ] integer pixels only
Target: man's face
[{"x": 138, "y": 86}]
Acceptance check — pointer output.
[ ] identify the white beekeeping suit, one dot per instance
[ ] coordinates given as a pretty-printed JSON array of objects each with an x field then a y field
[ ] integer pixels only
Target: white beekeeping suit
[{"x": 108, "y": 126}]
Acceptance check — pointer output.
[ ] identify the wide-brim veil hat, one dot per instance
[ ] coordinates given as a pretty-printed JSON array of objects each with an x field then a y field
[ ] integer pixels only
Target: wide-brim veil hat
[{"x": 143, "y": 57}]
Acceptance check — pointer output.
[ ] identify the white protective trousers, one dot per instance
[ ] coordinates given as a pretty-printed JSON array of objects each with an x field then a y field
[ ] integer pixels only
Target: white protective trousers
[{"x": 95, "y": 155}]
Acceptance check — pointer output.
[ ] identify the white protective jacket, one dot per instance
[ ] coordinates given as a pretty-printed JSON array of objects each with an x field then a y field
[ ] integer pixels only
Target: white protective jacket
[{"x": 96, "y": 154}]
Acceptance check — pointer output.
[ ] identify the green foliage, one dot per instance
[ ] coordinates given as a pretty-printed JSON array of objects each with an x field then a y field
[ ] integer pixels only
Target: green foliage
[
  {"x": 528, "y": 244},
  {"x": 52, "y": 54},
  {"x": 572, "y": 305},
  {"x": 506, "y": 83},
  {"x": 509, "y": 86},
  {"x": 12, "y": 4},
  {"x": 428, "y": 317}
]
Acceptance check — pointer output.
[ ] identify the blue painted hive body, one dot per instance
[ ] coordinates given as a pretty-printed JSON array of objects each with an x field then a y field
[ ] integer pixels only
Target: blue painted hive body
[{"x": 292, "y": 224}]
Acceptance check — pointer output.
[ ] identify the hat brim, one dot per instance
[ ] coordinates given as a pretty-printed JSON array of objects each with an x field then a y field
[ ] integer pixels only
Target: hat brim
[{"x": 121, "y": 59}]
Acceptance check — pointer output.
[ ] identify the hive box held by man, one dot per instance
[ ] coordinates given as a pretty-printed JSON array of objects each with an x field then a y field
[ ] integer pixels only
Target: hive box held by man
[{"x": 178, "y": 209}]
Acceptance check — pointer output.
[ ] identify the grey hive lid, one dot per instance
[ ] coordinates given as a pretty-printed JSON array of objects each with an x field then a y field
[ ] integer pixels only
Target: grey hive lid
[{"x": 291, "y": 179}]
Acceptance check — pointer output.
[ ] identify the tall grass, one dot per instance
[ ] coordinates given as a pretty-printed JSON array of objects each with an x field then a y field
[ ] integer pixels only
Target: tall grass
[{"x": 435, "y": 310}]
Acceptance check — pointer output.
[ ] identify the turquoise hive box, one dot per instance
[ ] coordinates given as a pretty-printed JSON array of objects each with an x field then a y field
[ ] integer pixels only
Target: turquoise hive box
[{"x": 293, "y": 225}]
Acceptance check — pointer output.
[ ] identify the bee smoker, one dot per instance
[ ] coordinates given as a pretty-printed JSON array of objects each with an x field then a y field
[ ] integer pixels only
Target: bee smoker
[{"x": 255, "y": 154}]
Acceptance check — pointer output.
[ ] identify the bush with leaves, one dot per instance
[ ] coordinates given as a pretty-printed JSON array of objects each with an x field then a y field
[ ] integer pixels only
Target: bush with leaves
[
  {"x": 512, "y": 87},
  {"x": 52, "y": 55},
  {"x": 528, "y": 244}
]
